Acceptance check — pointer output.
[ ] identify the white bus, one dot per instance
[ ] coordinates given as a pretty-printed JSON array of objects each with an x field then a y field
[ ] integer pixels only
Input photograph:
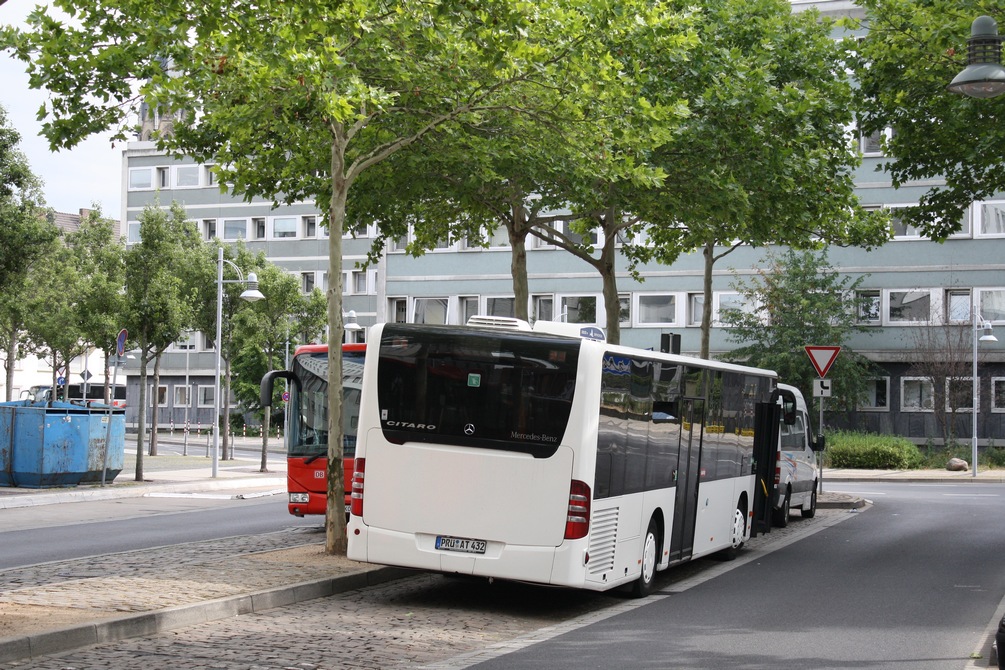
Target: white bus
[{"x": 516, "y": 454}]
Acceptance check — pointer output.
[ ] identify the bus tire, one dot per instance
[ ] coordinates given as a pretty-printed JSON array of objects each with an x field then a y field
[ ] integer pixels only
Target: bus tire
[
  {"x": 780, "y": 515},
  {"x": 736, "y": 534},
  {"x": 643, "y": 586},
  {"x": 809, "y": 510}
]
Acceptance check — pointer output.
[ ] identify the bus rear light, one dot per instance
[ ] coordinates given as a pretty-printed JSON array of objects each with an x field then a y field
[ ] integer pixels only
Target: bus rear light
[
  {"x": 577, "y": 522},
  {"x": 356, "y": 496}
]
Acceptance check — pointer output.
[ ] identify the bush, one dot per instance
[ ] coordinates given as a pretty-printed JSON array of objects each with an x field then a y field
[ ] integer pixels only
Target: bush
[{"x": 872, "y": 452}]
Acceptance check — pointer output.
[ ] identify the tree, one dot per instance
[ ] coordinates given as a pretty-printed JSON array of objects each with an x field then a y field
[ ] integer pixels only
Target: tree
[
  {"x": 99, "y": 257},
  {"x": 165, "y": 272},
  {"x": 24, "y": 228},
  {"x": 942, "y": 353},
  {"x": 797, "y": 300},
  {"x": 294, "y": 101},
  {"x": 763, "y": 158},
  {"x": 903, "y": 65}
]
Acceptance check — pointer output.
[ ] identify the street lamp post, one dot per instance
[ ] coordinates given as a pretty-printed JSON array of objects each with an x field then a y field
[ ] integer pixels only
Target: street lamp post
[
  {"x": 978, "y": 323},
  {"x": 984, "y": 76},
  {"x": 251, "y": 294}
]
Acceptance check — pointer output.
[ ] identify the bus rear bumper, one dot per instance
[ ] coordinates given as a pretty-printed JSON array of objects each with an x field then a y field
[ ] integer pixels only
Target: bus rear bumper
[{"x": 557, "y": 566}]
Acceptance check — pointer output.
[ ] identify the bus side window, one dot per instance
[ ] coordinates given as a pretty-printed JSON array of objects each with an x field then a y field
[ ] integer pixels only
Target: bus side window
[{"x": 666, "y": 411}]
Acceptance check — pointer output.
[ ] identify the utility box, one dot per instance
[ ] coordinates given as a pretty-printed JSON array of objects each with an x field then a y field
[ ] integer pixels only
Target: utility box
[{"x": 58, "y": 444}]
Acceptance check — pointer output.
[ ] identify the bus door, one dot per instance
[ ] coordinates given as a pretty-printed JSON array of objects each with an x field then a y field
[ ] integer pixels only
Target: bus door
[{"x": 686, "y": 476}]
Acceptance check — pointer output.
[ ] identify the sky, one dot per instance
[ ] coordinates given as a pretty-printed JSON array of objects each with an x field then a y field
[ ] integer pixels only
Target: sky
[{"x": 74, "y": 178}]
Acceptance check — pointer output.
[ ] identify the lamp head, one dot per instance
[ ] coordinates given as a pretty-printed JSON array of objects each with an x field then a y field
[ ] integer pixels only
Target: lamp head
[
  {"x": 251, "y": 293},
  {"x": 984, "y": 76}
]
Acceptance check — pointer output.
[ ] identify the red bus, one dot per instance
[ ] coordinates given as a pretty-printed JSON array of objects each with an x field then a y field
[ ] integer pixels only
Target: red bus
[{"x": 306, "y": 434}]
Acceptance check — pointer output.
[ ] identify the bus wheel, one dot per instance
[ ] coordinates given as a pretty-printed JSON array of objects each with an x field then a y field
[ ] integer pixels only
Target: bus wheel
[
  {"x": 644, "y": 584},
  {"x": 780, "y": 516},
  {"x": 736, "y": 533},
  {"x": 810, "y": 511}
]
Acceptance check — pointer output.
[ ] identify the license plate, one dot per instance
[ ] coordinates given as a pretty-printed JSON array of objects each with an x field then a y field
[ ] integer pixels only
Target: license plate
[{"x": 461, "y": 544}]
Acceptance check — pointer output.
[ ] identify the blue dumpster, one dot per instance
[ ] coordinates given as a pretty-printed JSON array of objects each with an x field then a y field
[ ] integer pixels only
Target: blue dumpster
[{"x": 58, "y": 444}]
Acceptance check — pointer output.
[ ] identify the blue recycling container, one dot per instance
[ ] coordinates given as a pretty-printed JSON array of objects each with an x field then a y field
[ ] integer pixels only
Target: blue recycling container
[{"x": 59, "y": 444}]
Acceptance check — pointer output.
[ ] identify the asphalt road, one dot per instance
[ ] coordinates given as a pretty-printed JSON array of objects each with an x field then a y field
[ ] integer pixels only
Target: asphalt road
[
  {"x": 59, "y": 532},
  {"x": 912, "y": 583}
]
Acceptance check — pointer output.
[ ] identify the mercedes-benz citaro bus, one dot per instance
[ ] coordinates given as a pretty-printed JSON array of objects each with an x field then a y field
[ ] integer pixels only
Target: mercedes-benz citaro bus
[{"x": 510, "y": 452}]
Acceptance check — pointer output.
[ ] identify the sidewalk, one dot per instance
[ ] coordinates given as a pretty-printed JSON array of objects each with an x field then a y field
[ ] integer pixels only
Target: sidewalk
[{"x": 54, "y": 607}]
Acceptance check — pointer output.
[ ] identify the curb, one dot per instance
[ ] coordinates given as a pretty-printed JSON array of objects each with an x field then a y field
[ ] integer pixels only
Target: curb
[{"x": 150, "y": 623}]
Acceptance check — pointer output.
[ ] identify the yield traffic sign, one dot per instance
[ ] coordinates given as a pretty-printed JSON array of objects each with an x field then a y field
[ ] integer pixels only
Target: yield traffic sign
[{"x": 822, "y": 358}]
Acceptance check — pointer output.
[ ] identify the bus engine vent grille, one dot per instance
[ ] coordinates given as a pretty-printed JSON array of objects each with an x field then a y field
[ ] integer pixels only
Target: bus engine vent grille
[{"x": 603, "y": 540}]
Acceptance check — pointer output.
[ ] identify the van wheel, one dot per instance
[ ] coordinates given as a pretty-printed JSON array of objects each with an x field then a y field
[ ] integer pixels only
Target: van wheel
[
  {"x": 736, "y": 534},
  {"x": 643, "y": 586},
  {"x": 810, "y": 510},
  {"x": 780, "y": 516}
]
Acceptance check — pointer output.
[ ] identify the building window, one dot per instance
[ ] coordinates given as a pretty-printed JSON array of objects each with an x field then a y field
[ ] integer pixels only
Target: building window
[
  {"x": 916, "y": 394},
  {"x": 579, "y": 309},
  {"x": 869, "y": 306},
  {"x": 209, "y": 228},
  {"x": 695, "y": 308},
  {"x": 468, "y": 307},
  {"x": 624, "y": 309},
  {"x": 957, "y": 303},
  {"x": 910, "y": 307},
  {"x": 902, "y": 230},
  {"x": 500, "y": 307},
  {"x": 430, "y": 311},
  {"x": 158, "y": 395},
  {"x": 991, "y": 305},
  {"x": 284, "y": 226},
  {"x": 656, "y": 309},
  {"x": 960, "y": 393},
  {"x": 998, "y": 394},
  {"x": 258, "y": 225},
  {"x": 163, "y": 177},
  {"x": 140, "y": 179},
  {"x": 307, "y": 281},
  {"x": 543, "y": 307},
  {"x": 729, "y": 301},
  {"x": 359, "y": 283},
  {"x": 235, "y": 229},
  {"x": 398, "y": 310},
  {"x": 133, "y": 232},
  {"x": 182, "y": 396},
  {"x": 205, "y": 396},
  {"x": 309, "y": 224},
  {"x": 992, "y": 218},
  {"x": 209, "y": 172},
  {"x": 187, "y": 176},
  {"x": 877, "y": 395}
]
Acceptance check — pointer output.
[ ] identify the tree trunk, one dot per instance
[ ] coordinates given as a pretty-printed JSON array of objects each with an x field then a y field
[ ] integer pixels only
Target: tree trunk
[
  {"x": 706, "y": 309},
  {"x": 336, "y": 541},
  {"x": 141, "y": 407},
  {"x": 227, "y": 454},
  {"x": 518, "y": 264},
  {"x": 612, "y": 305},
  {"x": 10, "y": 360},
  {"x": 155, "y": 406}
]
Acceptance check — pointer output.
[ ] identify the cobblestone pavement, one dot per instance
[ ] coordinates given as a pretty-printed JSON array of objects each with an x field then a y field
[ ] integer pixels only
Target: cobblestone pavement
[{"x": 422, "y": 621}]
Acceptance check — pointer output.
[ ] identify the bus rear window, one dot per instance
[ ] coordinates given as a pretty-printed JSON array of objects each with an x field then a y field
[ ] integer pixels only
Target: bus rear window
[{"x": 468, "y": 387}]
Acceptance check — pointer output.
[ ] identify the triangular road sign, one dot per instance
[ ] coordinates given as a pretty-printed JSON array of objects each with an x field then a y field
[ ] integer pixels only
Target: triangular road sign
[{"x": 822, "y": 358}]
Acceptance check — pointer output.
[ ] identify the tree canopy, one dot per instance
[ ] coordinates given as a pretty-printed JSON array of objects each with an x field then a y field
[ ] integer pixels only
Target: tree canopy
[{"x": 904, "y": 63}]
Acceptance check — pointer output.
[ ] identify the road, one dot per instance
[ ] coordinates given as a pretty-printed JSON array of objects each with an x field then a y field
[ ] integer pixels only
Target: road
[
  {"x": 80, "y": 529},
  {"x": 913, "y": 582}
]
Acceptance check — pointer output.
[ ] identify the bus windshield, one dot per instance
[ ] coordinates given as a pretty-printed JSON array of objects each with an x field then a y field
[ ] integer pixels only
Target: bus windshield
[
  {"x": 309, "y": 404},
  {"x": 476, "y": 388}
]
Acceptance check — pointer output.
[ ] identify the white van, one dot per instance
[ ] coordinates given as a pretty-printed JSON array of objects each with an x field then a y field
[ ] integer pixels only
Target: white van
[{"x": 796, "y": 459}]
